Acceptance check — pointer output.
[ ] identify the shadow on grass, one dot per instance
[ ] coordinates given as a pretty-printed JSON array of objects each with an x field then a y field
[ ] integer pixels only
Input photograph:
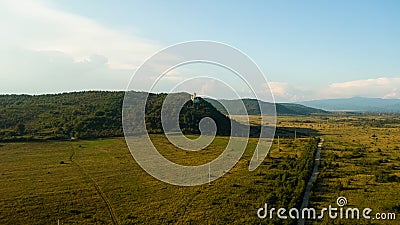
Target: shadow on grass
[{"x": 285, "y": 132}]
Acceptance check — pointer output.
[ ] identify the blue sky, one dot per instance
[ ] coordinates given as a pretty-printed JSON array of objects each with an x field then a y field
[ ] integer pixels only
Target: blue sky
[{"x": 306, "y": 49}]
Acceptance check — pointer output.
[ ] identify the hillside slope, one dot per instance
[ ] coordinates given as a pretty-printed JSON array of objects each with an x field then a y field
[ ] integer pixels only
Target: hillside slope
[{"x": 253, "y": 107}]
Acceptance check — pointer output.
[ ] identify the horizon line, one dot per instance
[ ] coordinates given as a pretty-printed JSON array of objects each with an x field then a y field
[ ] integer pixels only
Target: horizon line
[{"x": 110, "y": 90}]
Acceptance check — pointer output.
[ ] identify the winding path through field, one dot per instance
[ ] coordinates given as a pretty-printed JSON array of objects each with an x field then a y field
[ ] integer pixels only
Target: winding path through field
[
  {"x": 96, "y": 186},
  {"x": 311, "y": 180}
]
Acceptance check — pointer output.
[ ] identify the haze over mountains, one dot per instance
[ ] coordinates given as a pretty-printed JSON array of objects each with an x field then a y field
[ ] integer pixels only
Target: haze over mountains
[{"x": 356, "y": 104}]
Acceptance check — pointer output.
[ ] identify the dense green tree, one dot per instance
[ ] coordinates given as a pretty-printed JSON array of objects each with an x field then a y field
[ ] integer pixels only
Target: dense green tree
[{"x": 20, "y": 129}]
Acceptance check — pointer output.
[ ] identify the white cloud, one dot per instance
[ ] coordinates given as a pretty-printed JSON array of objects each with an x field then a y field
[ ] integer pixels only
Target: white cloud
[
  {"x": 285, "y": 92},
  {"x": 395, "y": 93},
  {"x": 45, "y": 50},
  {"x": 25, "y": 71},
  {"x": 378, "y": 82},
  {"x": 279, "y": 88},
  {"x": 35, "y": 26},
  {"x": 382, "y": 87}
]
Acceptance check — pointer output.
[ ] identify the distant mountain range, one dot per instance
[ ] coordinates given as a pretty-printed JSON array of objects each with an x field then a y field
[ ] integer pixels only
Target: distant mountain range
[
  {"x": 356, "y": 104},
  {"x": 253, "y": 107}
]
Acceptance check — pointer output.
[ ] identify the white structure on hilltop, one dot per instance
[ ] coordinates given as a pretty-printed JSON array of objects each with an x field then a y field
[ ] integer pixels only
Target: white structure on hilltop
[{"x": 194, "y": 98}]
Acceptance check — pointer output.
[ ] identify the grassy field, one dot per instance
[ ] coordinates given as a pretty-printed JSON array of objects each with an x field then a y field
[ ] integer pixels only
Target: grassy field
[
  {"x": 360, "y": 161},
  {"x": 98, "y": 182}
]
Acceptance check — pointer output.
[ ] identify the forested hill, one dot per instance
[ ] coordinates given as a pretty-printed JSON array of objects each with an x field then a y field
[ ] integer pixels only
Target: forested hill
[
  {"x": 94, "y": 114},
  {"x": 90, "y": 114},
  {"x": 61, "y": 116}
]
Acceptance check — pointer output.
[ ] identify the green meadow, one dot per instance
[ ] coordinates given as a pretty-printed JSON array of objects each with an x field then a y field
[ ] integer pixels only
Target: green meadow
[
  {"x": 360, "y": 160},
  {"x": 98, "y": 182}
]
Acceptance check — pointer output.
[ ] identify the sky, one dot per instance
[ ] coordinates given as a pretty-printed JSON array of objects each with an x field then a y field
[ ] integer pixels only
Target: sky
[{"x": 306, "y": 49}]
